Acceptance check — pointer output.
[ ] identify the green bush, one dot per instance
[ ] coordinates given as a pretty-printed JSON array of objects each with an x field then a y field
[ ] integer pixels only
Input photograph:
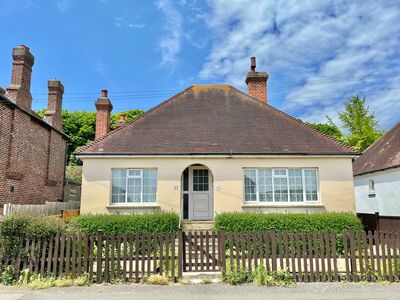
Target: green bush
[
  {"x": 244, "y": 222},
  {"x": 15, "y": 228},
  {"x": 127, "y": 224}
]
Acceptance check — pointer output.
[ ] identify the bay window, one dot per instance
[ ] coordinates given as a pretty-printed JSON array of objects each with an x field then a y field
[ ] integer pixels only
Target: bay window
[
  {"x": 280, "y": 185},
  {"x": 134, "y": 186}
]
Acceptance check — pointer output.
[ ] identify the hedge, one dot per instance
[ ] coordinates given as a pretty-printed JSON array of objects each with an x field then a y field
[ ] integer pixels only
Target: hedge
[
  {"x": 257, "y": 222},
  {"x": 248, "y": 221},
  {"x": 13, "y": 228},
  {"x": 127, "y": 224}
]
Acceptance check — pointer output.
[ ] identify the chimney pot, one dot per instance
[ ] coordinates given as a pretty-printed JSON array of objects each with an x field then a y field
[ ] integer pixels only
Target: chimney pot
[
  {"x": 253, "y": 64},
  {"x": 104, "y": 93},
  {"x": 121, "y": 122},
  {"x": 257, "y": 82}
]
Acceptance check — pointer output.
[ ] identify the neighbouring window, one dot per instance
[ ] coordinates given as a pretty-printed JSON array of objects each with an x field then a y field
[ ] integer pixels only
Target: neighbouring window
[
  {"x": 371, "y": 187},
  {"x": 72, "y": 193},
  {"x": 280, "y": 185},
  {"x": 134, "y": 186}
]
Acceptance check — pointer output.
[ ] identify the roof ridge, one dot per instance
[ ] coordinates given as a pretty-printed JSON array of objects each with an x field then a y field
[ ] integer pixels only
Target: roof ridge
[
  {"x": 144, "y": 115},
  {"x": 266, "y": 105}
]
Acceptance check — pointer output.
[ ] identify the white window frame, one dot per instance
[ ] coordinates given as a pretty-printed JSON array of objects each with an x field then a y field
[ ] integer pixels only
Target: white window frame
[
  {"x": 371, "y": 187},
  {"x": 289, "y": 202},
  {"x": 141, "y": 203}
]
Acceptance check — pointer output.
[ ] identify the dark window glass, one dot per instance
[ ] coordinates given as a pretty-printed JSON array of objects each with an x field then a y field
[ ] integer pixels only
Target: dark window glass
[
  {"x": 185, "y": 206},
  {"x": 186, "y": 180}
]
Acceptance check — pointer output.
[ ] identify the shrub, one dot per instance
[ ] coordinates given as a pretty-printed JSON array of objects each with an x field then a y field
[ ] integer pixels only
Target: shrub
[
  {"x": 240, "y": 276},
  {"x": 127, "y": 224},
  {"x": 158, "y": 280},
  {"x": 14, "y": 228},
  {"x": 8, "y": 276},
  {"x": 333, "y": 222}
]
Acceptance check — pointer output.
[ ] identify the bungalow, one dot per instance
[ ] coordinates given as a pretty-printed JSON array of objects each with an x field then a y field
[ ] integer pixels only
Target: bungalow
[
  {"x": 212, "y": 149},
  {"x": 377, "y": 183}
]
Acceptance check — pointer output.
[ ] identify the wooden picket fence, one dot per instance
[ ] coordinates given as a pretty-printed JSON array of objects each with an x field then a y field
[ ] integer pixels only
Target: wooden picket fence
[
  {"x": 307, "y": 256},
  {"x": 103, "y": 258},
  {"x": 318, "y": 256}
]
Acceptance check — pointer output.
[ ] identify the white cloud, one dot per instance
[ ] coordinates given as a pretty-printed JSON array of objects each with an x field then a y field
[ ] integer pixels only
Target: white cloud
[
  {"x": 170, "y": 43},
  {"x": 323, "y": 48},
  {"x": 122, "y": 22},
  {"x": 63, "y": 5}
]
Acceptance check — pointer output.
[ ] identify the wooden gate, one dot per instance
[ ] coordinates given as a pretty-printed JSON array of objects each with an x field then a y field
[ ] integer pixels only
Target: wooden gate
[{"x": 203, "y": 251}]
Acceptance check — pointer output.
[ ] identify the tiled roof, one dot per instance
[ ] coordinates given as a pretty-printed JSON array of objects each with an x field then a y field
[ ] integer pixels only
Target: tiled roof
[
  {"x": 383, "y": 154},
  {"x": 216, "y": 119}
]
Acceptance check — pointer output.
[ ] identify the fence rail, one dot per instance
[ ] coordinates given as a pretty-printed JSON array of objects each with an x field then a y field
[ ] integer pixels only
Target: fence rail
[
  {"x": 47, "y": 209},
  {"x": 307, "y": 256}
]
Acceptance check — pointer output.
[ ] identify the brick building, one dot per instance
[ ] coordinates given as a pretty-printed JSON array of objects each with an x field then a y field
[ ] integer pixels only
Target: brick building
[{"x": 32, "y": 150}]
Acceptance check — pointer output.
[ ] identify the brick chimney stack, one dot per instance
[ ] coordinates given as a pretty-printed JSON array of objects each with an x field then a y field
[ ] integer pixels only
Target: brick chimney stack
[
  {"x": 257, "y": 82},
  {"x": 122, "y": 121},
  {"x": 104, "y": 108},
  {"x": 54, "y": 107},
  {"x": 19, "y": 88}
]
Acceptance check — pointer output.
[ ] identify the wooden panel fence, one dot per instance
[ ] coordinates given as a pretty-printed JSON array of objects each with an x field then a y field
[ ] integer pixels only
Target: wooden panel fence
[
  {"x": 47, "y": 209},
  {"x": 307, "y": 256}
]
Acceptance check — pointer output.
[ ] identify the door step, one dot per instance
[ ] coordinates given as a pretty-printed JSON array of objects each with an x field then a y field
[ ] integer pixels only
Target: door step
[{"x": 197, "y": 225}]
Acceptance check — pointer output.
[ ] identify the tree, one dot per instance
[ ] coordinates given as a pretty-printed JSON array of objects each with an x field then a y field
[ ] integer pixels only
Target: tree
[
  {"x": 80, "y": 126},
  {"x": 360, "y": 124},
  {"x": 329, "y": 128}
]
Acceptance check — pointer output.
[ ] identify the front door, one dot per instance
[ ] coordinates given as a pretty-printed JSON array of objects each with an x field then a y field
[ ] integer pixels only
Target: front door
[{"x": 200, "y": 196}]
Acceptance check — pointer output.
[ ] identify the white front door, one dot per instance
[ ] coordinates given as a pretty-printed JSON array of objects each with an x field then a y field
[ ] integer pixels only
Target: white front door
[{"x": 200, "y": 196}]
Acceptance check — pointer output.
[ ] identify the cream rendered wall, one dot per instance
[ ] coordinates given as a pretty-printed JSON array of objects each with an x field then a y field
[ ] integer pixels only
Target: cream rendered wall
[{"x": 335, "y": 179}]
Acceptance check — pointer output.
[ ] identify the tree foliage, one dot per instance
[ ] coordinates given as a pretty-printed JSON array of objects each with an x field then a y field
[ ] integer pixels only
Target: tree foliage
[
  {"x": 329, "y": 128},
  {"x": 80, "y": 126},
  {"x": 362, "y": 129}
]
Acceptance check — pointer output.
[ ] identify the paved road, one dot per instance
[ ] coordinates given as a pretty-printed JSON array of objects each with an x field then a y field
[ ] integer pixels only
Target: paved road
[{"x": 209, "y": 292}]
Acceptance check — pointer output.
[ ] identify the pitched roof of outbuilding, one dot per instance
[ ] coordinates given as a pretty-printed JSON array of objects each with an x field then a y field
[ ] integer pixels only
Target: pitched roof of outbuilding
[
  {"x": 216, "y": 119},
  {"x": 383, "y": 154}
]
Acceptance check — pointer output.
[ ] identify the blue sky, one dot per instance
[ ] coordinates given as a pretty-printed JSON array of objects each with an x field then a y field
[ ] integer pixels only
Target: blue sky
[{"x": 318, "y": 53}]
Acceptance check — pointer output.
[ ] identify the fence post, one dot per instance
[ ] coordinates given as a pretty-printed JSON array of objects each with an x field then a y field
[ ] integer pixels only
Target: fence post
[
  {"x": 99, "y": 255},
  {"x": 377, "y": 221},
  {"x": 180, "y": 252},
  {"x": 222, "y": 250}
]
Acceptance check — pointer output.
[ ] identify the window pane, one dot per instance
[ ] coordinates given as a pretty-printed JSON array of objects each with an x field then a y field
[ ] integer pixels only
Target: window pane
[
  {"x": 250, "y": 188},
  {"x": 149, "y": 185},
  {"x": 186, "y": 180},
  {"x": 200, "y": 180},
  {"x": 135, "y": 173},
  {"x": 280, "y": 189},
  {"x": 310, "y": 178},
  {"x": 295, "y": 185},
  {"x": 265, "y": 185},
  {"x": 118, "y": 186},
  {"x": 279, "y": 172},
  {"x": 134, "y": 190}
]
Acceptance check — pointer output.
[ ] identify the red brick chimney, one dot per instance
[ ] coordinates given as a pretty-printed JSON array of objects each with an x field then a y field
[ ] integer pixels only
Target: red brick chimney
[
  {"x": 122, "y": 121},
  {"x": 54, "y": 107},
  {"x": 104, "y": 108},
  {"x": 19, "y": 88},
  {"x": 257, "y": 82}
]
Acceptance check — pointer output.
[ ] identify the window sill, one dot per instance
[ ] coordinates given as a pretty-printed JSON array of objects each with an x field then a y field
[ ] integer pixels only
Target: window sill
[
  {"x": 283, "y": 205},
  {"x": 133, "y": 206}
]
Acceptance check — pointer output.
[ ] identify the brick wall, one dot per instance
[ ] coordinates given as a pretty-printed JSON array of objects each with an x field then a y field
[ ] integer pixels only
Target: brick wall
[
  {"x": 258, "y": 89},
  {"x": 32, "y": 158}
]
